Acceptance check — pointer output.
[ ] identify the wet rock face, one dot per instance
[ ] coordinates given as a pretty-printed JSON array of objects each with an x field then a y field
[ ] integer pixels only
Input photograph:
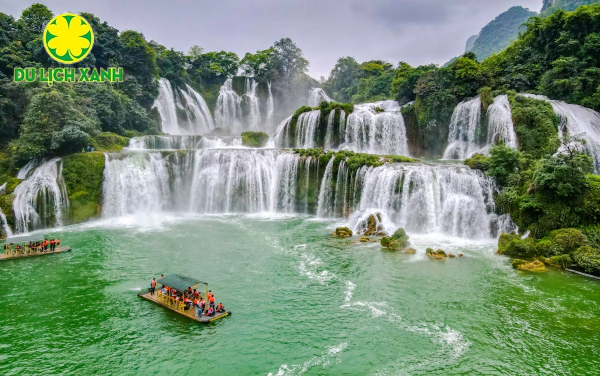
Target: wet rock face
[
  {"x": 342, "y": 232},
  {"x": 374, "y": 226}
]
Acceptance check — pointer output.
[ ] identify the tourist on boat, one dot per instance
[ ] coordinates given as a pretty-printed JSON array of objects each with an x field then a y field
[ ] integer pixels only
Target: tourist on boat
[
  {"x": 152, "y": 286},
  {"x": 220, "y": 307},
  {"x": 211, "y": 301},
  {"x": 58, "y": 242},
  {"x": 195, "y": 293},
  {"x": 202, "y": 304},
  {"x": 45, "y": 245},
  {"x": 210, "y": 312}
]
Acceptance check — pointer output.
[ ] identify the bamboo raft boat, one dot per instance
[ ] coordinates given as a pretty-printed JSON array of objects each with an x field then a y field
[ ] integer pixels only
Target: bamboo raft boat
[
  {"x": 24, "y": 252},
  {"x": 181, "y": 283}
]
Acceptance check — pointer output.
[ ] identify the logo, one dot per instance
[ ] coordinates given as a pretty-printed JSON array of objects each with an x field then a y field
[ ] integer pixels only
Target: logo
[{"x": 68, "y": 38}]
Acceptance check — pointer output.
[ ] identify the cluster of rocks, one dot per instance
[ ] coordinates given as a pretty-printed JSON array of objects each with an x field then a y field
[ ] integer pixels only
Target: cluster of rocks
[
  {"x": 440, "y": 254},
  {"x": 342, "y": 232},
  {"x": 374, "y": 226},
  {"x": 397, "y": 242}
]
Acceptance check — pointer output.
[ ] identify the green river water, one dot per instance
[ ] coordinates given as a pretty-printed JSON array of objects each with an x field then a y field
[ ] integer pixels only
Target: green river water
[{"x": 302, "y": 303}]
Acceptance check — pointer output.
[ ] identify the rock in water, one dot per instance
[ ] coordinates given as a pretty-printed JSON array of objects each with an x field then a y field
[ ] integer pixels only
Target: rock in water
[
  {"x": 410, "y": 251},
  {"x": 535, "y": 266},
  {"x": 374, "y": 226},
  {"x": 436, "y": 255},
  {"x": 397, "y": 242},
  {"x": 342, "y": 232},
  {"x": 451, "y": 255},
  {"x": 364, "y": 240}
]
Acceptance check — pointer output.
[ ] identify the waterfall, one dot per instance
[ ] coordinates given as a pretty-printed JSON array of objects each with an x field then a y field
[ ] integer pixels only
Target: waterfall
[
  {"x": 7, "y": 231},
  {"x": 41, "y": 200},
  {"x": 342, "y": 128},
  {"x": 325, "y": 204},
  {"x": 197, "y": 115},
  {"x": 165, "y": 104},
  {"x": 376, "y": 128},
  {"x": 500, "y": 125},
  {"x": 449, "y": 199},
  {"x": 305, "y": 129},
  {"x": 270, "y": 107},
  {"x": 316, "y": 96},
  {"x": 282, "y": 133},
  {"x": 340, "y": 205},
  {"x": 228, "y": 112},
  {"x": 329, "y": 134},
  {"x": 164, "y": 142},
  {"x": 253, "y": 105},
  {"x": 200, "y": 181},
  {"x": 578, "y": 121},
  {"x": 462, "y": 136}
]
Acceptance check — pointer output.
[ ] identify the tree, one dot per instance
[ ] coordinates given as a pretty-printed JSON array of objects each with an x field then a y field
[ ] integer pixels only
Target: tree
[
  {"x": 107, "y": 48},
  {"x": 503, "y": 162},
  {"x": 289, "y": 60},
  {"x": 405, "y": 79},
  {"x": 261, "y": 65},
  {"x": 32, "y": 22},
  {"x": 139, "y": 60},
  {"x": 343, "y": 79}
]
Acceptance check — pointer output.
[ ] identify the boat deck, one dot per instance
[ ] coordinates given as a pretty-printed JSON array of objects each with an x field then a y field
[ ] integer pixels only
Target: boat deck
[
  {"x": 190, "y": 313},
  {"x": 4, "y": 257}
]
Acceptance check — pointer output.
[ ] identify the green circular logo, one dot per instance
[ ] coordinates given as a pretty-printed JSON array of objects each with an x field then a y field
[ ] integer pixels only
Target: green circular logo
[{"x": 68, "y": 38}]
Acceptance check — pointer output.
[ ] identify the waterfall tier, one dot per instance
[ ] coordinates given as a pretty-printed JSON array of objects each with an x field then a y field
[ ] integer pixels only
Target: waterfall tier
[
  {"x": 578, "y": 121},
  {"x": 374, "y": 128},
  {"x": 450, "y": 199},
  {"x": 41, "y": 199},
  {"x": 316, "y": 96},
  {"x": 182, "y": 110}
]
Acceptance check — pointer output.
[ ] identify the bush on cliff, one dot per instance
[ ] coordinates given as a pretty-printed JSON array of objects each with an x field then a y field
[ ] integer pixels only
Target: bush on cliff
[
  {"x": 255, "y": 139},
  {"x": 83, "y": 175}
]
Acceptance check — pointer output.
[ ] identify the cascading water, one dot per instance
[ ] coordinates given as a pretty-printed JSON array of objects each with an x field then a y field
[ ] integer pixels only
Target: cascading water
[
  {"x": 326, "y": 197},
  {"x": 578, "y": 121},
  {"x": 449, "y": 199},
  {"x": 197, "y": 115},
  {"x": 330, "y": 130},
  {"x": 201, "y": 181},
  {"x": 500, "y": 124},
  {"x": 316, "y": 96},
  {"x": 376, "y": 128},
  {"x": 228, "y": 113},
  {"x": 282, "y": 133},
  {"x": 164, "y": 142},
  {"x": 7, "y": 231},
  {"x": 305, "y": 129},
  {"x": 41, "y": 200},
  {"x": 270, "y": 107},
  {"x": 462, "y": 136},
  {"x": 251, "y": 97}
]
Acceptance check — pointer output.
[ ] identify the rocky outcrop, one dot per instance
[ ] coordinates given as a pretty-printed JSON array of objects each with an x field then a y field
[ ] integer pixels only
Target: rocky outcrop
[
  {"x": 535, "y": 266},
  {"x": 342, "y": 232},
  {"x": 436, "y": 255},
  {"x": 397, "y": 242}
]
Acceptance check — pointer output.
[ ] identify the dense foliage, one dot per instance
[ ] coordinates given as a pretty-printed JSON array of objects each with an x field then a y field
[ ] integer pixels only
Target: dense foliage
[
  {"x": 550, "y": 6},
  {"x": 501, "y": 32}
]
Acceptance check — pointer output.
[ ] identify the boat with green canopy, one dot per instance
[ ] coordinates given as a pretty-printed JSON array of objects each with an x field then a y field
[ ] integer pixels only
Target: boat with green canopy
[
  {"x": 176, "y": 289},
  {"x": 22, "y": 246}
]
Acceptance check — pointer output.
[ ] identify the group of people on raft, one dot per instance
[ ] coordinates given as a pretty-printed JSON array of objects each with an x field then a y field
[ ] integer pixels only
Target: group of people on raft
[
  {"x": 40, "y": 246},
  {"x": 191, "y": 298}
]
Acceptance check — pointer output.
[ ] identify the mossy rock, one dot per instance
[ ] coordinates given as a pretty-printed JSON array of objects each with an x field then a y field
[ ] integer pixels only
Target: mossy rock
[
  {"x": 83, "y": 173},
  {"x": 364, "y": 240},
  {"x": 342, "y": 232},
  {"x": 559, "y": 262},
  {"x": 399, "y": 233},
  {"x": 451, "y": 255},
  {"x": 535, "y": 266},
  {"x": 397, "y": 242},
  {"x": 385, "y": 241},
  {"x": 513, "y": 245},
  {"x": 410, "y": 251},
  {"x": 255, "y": 139},
  {"x": 108, "y": 141},
  {"x": 436, "y": 255}
]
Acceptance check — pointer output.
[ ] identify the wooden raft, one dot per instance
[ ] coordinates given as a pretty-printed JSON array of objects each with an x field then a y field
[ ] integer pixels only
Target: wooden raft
[
  {"x": 189, "y": 313},
  {"x": 4, "y": 257}
]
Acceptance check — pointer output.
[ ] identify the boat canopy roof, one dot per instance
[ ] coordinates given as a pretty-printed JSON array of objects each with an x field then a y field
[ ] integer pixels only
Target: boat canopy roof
[
  {"x": 25, "y": 239},
  {"x": 180, "y": 282}
]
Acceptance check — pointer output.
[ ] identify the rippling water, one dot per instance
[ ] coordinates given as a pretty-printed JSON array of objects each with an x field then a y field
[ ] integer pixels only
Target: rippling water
[{"x": 302, "y": 302}]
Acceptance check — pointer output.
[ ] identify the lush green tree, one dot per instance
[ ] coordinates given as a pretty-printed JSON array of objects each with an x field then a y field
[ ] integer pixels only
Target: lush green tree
[
  {"x": 289, "y": 59},
  {"x": 343, "y": 79},
  {"x": 139, "y": 60},
  {"x": 503, "y": 162},
  {"x": 536, "y": 126},
  {"x": 107, "y": 48},
  {"x": 405, "y": 79},
  {"x": 261, "y": 65},
  {"x": 32, "y": 22}
]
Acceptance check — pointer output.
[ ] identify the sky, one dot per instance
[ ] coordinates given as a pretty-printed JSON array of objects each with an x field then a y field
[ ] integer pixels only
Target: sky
[{"x": 415, "y": 31}]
